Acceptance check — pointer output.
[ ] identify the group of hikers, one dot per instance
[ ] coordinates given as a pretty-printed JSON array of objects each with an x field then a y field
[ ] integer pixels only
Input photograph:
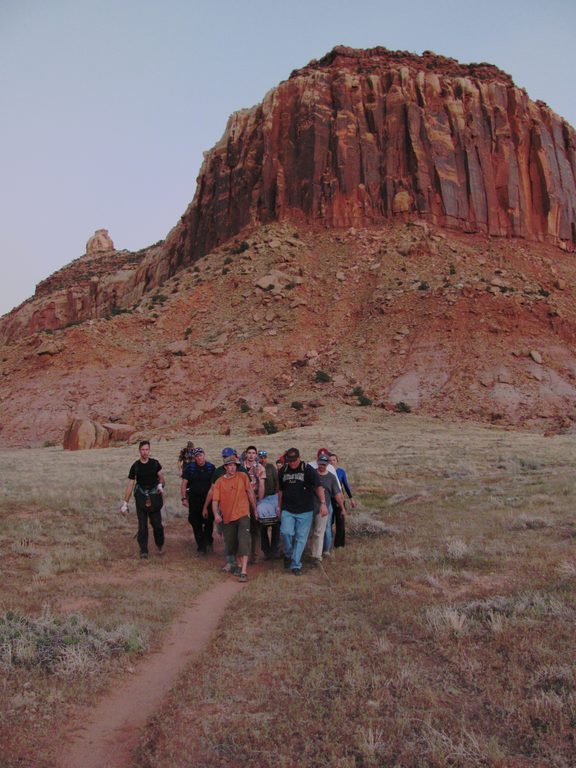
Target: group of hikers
[{"x": 254, "y": 504}]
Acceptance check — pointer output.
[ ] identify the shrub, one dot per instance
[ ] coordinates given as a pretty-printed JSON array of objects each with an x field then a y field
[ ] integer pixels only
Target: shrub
[
  {"x": 363, "y": 400},
  {"x": 357, "y": 391},
  {"x": 225, "y": 270},
  {"x": 424, "y": 286},
  {"x": 452, "y": 269},
  {"x": 66, "y": 646},
  {"x": 196, "y": 269},
  {"x": 270, "y": 427},
  {"x": 240, "y": 248},
  {"x": 322, "y": 376},
  {"x": 244, "y": 407},
  {"x": 297, "y": 405},
  {"x": 402, "y": 407},
  {"x": 228, "y": 260},
  {"x": 187, "y": 332}
]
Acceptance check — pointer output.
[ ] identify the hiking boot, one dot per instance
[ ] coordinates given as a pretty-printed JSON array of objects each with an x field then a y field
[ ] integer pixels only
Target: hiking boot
[
  {"x": 242, "y": 577},
  {"x": 287, "y": 561},
  {"x": 296, "y": 571}
]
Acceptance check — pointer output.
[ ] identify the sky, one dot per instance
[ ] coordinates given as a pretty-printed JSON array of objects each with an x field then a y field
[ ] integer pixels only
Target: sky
[{"x": 107, "y": 105}]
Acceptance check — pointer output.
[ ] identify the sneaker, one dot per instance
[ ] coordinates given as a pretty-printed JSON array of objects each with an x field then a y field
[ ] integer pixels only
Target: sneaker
[
  {"x": 296, "y": 571},
  {"x": 287, "y": 561},
  {"x": 159, "y": 551},
  {"x": 315, "y": 562},
  {"x": 143, "y": 555},
  {"x": 242, "y": 577}
]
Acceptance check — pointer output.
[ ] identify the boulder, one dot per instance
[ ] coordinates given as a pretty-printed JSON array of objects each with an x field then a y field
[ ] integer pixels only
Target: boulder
[
  {"x": 83, "y": 434},
  {"x": 119, "y": 432}
]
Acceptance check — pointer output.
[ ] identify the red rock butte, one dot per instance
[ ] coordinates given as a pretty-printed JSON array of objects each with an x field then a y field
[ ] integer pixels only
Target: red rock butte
[{"x": 361, "y": 136}]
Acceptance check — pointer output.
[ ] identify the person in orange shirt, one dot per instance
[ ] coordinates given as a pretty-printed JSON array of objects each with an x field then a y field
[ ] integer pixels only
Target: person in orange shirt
[{"x": 232, "y": 500}]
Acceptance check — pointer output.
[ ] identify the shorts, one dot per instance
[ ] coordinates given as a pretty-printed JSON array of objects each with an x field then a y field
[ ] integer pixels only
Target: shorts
[{"x": 237, "y": 537}]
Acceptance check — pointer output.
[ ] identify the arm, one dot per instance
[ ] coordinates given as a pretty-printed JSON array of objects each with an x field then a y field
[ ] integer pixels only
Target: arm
[
  {"x": 129, "y": 488},
  {"x": 344, "y": 484},
  {"x": 262, "y": 475},
  {"x": 319, "y": 490},
  {"x": 252, "y": 500},
  {"x": 216, "y": 510},
  {"x": 279, "y": 507},
  {"x": 183, "y": 488},
  {"x": 340, "y": 501},
  {"x": 207, "y": 502}
]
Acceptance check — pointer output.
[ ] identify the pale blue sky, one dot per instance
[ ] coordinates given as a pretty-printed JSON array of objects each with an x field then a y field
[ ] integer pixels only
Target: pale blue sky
[{"x": 107, "y": 105}]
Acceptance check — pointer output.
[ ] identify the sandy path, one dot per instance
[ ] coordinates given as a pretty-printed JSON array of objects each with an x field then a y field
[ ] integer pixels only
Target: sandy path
[{"x": 114, "y": 728}]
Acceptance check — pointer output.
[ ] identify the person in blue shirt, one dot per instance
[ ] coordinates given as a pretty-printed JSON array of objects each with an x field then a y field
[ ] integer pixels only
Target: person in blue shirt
[
  {"x": 196, "y": 483},
  {"x": 340, "y": 513}
]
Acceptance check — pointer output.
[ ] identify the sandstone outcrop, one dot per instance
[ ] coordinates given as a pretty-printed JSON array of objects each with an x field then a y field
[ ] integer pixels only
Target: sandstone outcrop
[
  {"x": 83, "y": 434},
  {"x": 100, "y": 242},
  {"x": 359, "y": 137}
]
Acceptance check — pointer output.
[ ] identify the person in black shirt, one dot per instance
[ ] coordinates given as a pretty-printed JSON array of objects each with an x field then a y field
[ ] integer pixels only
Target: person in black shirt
[
  {"x": 196, "y": 482},
  {"x": 146, "y": 479},
  {"x": 298, "y": 483}
]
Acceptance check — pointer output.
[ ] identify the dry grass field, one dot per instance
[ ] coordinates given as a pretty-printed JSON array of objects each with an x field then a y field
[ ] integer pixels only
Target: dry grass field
[{"x": 442, "y": 635}]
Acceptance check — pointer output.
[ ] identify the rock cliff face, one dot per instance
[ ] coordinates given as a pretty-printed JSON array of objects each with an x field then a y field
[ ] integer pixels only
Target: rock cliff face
[
  {"x": 362, "y": 136},
  {"x": 357, "y": 138}
]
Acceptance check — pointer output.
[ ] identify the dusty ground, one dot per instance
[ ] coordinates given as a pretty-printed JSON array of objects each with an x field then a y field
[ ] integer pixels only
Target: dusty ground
[{"x": 456, "y": 623}]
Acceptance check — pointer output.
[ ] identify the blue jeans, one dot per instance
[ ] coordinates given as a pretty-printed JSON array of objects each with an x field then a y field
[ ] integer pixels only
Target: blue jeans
[{"x": 294, "y": 530}]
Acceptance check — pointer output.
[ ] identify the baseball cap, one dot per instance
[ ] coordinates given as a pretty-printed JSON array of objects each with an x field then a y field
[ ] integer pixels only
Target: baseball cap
[
  {"x": 227, "y": 452},
  {"x": 262, "y": 453},
  {"x": 229, "y": 460},
  {"x": 197, "y": 451},
  {"x": 323, "y": 458},
  {"x": 292, "y": 454}
]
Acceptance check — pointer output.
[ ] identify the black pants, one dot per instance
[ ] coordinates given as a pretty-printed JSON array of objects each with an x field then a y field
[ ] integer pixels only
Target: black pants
[
  {"x": 340, "y": 521},
  {"x": 270, "y": 543},
  {"x": 203, "y": 527},
  {"x": 154, "y": 515}
]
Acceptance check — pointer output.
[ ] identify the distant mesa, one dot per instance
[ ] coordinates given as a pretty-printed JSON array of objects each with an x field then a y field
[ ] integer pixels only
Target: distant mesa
[{"x": 100, "y": 242}]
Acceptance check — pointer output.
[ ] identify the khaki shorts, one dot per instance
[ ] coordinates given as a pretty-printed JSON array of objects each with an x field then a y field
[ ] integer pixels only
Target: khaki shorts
[{"x": 237, "y": 537}]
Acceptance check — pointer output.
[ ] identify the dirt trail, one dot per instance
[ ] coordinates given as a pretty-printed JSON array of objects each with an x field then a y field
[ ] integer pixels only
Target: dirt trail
[{"x": 114, "y": 727}]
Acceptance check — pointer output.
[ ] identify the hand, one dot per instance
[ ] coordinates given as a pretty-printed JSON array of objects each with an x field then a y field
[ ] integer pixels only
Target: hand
[
  {"x": 124, "y": 508},
  {"x": 323, "y": 509},
  {"x": 205, "y": 513},
  {"x": 160, "y": 488},
  {"x": 278, "y": 513},
  {"x": 185, "y": 502},
  {"x": 352, "y": 503}
]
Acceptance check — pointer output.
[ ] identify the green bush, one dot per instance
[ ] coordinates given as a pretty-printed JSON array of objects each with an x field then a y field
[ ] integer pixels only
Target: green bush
[
  {"x": 322, "y": 376},
  {"x": 244, "y": 407},
  {"x": 402, "y": 407},
  {"x": 270, "y": 427},
  {"x": 363, "y": 400},
  {"x": 228, "y": 260},
  {"x": 297, "y": 405},
  {"x": 424, "y": 286},
  {"x": 240, "y": 248},
  {"x": 357, "y": 391}
]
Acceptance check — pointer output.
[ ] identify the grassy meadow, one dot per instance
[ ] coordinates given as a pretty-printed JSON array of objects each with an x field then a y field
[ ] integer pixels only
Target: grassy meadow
[{"x": 441, "y": 635}]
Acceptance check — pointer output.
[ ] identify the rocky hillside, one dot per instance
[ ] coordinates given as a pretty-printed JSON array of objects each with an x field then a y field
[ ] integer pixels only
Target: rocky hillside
[
  {"x": 383, "y": 228},
  {"x": 284, "y": 319}
]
